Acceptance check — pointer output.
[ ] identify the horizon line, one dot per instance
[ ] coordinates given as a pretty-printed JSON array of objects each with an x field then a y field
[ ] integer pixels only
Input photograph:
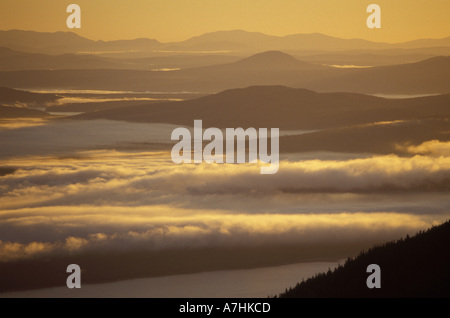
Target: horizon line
[{"x": 223, "y": 31}]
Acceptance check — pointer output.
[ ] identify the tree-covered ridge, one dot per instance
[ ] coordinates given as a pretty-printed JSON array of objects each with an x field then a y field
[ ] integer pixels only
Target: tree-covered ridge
[{"x": 417, "y": 266}]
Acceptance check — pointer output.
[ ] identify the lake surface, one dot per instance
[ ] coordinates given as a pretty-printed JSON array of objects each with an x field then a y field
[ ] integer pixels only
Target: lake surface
[
  {"x": 248, "y": 283},
  {"x": 402, "y": 96}
]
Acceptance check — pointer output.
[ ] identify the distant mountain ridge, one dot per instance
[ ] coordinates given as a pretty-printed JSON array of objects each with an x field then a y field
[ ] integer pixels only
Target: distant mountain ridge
[
  {"x": 8, "y": 96},
  {"x": 431, "y": 76},
  {"x": 15, "y": 112},
  {"x": 66, "y": 42},
  {"x": 279, "y": 106},
  {"x": 69, "y": 42},
  {"x": 274, "y": 60},
  {"x": 270, "y": 63},
  {"x": 342, "y": 122},
  {"x": 12, "y": 60}
]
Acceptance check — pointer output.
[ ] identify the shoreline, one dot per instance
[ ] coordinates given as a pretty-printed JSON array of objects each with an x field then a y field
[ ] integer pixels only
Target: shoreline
[{"x": 245, "y": 282}]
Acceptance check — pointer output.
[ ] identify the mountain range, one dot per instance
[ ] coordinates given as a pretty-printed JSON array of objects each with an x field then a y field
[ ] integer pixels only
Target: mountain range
[
  {"x": 431, "y": 76},
  {"x": 340, "y": 122},
  {"x": 337, "y": 122},
  {"x": 13, "y": 60},
  {"x": 11, "y": 96},
  {"x": 234, "y": 40},
  {"x": 282, "y": 107}
]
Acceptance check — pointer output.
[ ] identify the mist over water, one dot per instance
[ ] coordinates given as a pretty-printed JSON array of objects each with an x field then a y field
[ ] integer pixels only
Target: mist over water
[
  {"x": 99, "y": 185},
  {"x": 402, "y": 96}
]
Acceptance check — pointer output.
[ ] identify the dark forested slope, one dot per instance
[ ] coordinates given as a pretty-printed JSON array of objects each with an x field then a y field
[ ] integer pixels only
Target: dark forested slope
[{"x": 417, "y": 266}]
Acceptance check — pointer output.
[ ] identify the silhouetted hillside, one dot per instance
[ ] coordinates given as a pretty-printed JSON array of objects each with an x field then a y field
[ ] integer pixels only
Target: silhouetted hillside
[
  {"x": 282, "y": 107},
  {"x": 19, "y": 39},
  {"x": 268, "y": 68},
  {"x": 234, "y": 40},
  {"x": 66, "y": 42},
  {"x": 10, "y": 96},
  {"x": 273, "y": 60},
  {"x": 16, "y": 112},
  {"x": 417, "y": 266},
  {"x": 11, "y": 60},
  {"x": 378, "y": 138},
  {"x": 367, "y": 58},
  {"x": 345, "y": 122},
  {"x": 424, "y": 77}
]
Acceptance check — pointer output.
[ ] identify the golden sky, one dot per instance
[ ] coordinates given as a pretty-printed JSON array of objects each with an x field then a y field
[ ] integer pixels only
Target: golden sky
[{"x": 176, "y": 20}]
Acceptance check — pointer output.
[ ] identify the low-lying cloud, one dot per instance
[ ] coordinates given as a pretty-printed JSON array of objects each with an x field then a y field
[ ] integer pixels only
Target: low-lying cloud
[
  {"x": 162, "y": 227},
  {"x": 97, "y": 200},
  {"x": 147, "y": 178},
  {"x": 432, "y": 148}
]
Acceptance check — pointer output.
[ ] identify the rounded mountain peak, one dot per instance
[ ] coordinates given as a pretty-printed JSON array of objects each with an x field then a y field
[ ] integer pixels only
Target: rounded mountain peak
[{"x": 273, "y": 59}]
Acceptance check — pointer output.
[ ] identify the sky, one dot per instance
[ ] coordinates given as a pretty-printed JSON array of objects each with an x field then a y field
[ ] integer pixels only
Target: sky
[{"x": 177, "y": 20}]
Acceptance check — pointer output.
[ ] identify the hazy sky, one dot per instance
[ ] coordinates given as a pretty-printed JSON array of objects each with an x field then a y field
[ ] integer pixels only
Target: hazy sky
[{"x": 175, "y": 20}]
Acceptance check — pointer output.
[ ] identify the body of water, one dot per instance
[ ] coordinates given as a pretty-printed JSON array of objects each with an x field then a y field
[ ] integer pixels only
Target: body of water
[{"x": 248, "y": 283}]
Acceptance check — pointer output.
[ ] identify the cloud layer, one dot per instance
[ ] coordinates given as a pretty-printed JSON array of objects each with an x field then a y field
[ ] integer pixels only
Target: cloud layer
[
  {"x": 117, "y": 200},
  {"x": 74, "y": 229}
]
